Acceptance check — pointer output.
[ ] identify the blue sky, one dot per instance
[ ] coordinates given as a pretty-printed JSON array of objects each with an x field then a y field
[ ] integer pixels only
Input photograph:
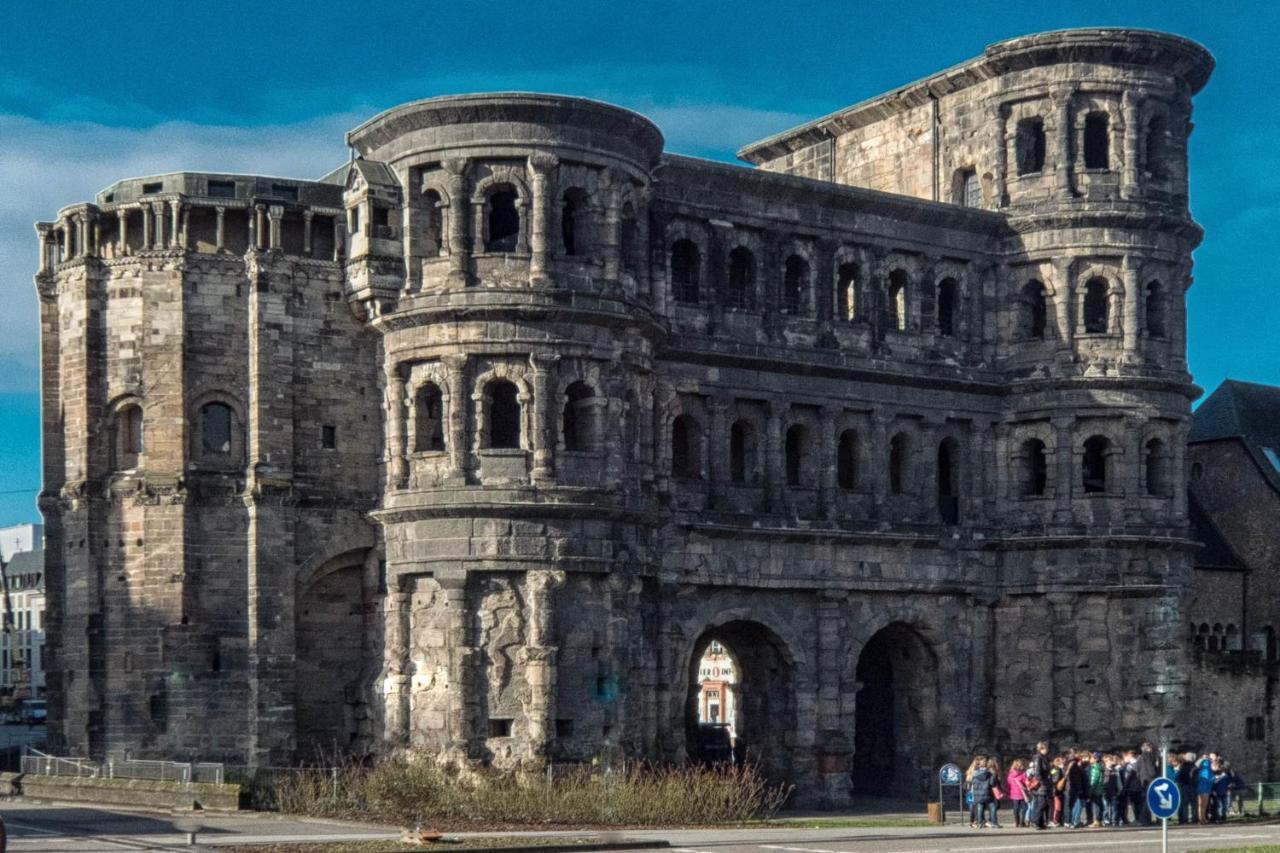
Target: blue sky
[{"x": 91, "y": 92}]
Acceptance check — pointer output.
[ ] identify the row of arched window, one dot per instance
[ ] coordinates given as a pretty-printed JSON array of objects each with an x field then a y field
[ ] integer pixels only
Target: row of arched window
[
  {"x": 1095, "y": 309},
  {"x": 1220, "y": 638},
  {"x": 1096, "y": 462},
  {"x": 1030, "y": 147},
  {"x": 502, "y": 412}
]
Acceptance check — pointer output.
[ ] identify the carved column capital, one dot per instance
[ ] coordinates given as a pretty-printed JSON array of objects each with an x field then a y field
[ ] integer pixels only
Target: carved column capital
[{"x": 542, "y": 162}]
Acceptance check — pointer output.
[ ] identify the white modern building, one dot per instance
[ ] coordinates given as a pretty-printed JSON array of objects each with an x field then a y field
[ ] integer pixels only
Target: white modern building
[{"x": 22, "y": 638}]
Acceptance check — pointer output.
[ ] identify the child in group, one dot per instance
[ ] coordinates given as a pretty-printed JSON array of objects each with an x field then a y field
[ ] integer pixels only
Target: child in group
[
  {"x": 1058, "y": 785},
  {"x": 1016, "y": 785},
  {"x": 1111, "y": 788},
  {"x": 980, "y": 784},
  {"x": 997, "y": 791}
]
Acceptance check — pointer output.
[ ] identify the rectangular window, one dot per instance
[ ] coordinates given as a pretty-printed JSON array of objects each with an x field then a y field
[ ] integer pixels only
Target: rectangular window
[
  {"x": 222, "y": 189},
  {"x": 354, "y": 216},
  {"x": 1254, "y": 728},
  {"x": 328, "y": 437},
  {"x": 152, "y": 189},
  {"x": 284, "y": 192},
  {"x": 564, "y": 728},
  {"x": 499, "y": 728}
]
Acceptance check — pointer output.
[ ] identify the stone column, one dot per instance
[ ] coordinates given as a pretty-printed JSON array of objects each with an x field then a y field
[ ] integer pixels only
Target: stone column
[
  {"x": 543, "y": 438},
  {"x": 1129, "y": 314},
  {"x": 717, "y": 450},
  {"x": 824, "y": 284},
  {"x": 97, "y": 236},
  {"x": 260, "y": 218},
  {"x": 82, "y": 235},
  {"x": 339, "y": 238},
  {"x": 122, "y": 238},
  {"x": 1129, "y": 169},
  {"x": 540, "y": 662},
  {"x": 774, "y": 476},
  {"x": 276, "y": 214},
  {"x": 644, "y": 277},
  {"x": 456, "y": 184},
  {"x": 307, "y": 216},
  {"x": 396, "y": 680},
  {"x": 1178, "y": 474},
  {"x": 397, "y": 446},
  {"x": 157, "y": 216},
  {"x": 999, "y": 119},
  {"x": 1062, "y": 112},
  {"x": 1063, "y": 302},
  {"x": 827, "y": 463},
  {"x": 1064, "y": 477},
  {"x": 611, "y": 242},
  {"x": 185, "y": 241},
  {"x": 835, "y": 734},
  {"x": 220, "y": 240},
  {"x": 175, "y": 230},
  {"x": 252, "y": 219},
  {"x": 878, "y": 454},
  {"x": 462, "y": 701},
  {"x": 927, "y": 507},
  {"x": 456, "y": 426},
  {"x": 540, "y": 167}
]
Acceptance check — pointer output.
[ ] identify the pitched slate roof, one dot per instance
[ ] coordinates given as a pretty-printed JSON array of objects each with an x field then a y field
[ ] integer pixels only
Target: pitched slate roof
[
  {"x": 1248, "y": 412},
  {"x": 1217, "y": 553},
  {"x": 25, "y": 562}
]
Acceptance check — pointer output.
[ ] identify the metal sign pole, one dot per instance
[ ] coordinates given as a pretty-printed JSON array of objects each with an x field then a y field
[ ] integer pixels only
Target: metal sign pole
[{"x": 1164, "y": 822}]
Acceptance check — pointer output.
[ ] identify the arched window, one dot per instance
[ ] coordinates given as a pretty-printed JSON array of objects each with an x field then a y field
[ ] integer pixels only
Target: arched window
[
  {"x": 685, "y": 263},
  {"x": 1155, "y": 310},
  {"x": 632, "y": 257},
  {"x": 742, "y": 279},
  {"x": 503, "y": 409},
  {"x": 1029, "y": 146},
  {"x": 847, "y": 460},
  {"x": 1155, "y": 462},
  {"x": 579, "y": 429},
  {"x": 1271, "y": 651},
  {"x": 573, "y": 214},
  {"x": 433, "y": 224},
  {"x": 215, "y": 429},
  {"x": 1035, "y": 311},
  {"x": 947, "y": 295},
  {"x": 1094, "y": 469},
  {"x": 1095, "y": 306},
  {"x": 949, "y": 481},
  {"x": 1202, "y": 635},
  {"x": 966, "y": 189},
  {"x": 899, "y": 459},
  {"x": 742, "y": 451},
  {"x": 428, "y": 413},
  {"x": 1156, "y": 148},
  {"x": 795, "y": 284},
  {"x": 797, "y": 440},
  {"x": 1097, "y": 141},
  {"x": 128, "y": 436},
  {"x": 847, "y": 291},
  {"x": 897, "y": 302},
  {"x": 1035, "y": 475},
  {"x": 504, "y": 221},
  {"x": 686, "y": 461}
]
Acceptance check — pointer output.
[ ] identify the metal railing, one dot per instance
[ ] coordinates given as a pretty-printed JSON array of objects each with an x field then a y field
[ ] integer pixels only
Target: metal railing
[
  {"x": 42, "y": 764},
  {"x": 38, "y": 763}
]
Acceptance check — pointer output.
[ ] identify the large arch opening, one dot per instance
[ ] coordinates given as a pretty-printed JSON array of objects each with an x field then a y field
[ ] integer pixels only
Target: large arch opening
[
  {"x": 756, "y": 705},
  {"x": 895, "y": 739}
]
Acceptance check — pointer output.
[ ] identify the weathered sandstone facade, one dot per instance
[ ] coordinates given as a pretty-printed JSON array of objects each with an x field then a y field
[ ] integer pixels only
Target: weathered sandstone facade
[{"x": 475, "y": 444}]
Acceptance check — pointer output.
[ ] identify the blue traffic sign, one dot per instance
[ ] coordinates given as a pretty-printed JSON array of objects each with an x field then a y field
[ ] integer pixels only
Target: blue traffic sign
[
  {"x": 1163, "y": 798},
  {"x": 949, "y": 775}
]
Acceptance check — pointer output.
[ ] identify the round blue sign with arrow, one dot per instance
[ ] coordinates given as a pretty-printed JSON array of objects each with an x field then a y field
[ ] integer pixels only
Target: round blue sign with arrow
[
  {"x": 1163, "y": 798},
  {"x": 949, "y": 775}
]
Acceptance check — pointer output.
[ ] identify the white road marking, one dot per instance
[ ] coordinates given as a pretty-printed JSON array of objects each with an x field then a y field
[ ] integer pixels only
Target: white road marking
[
  {"x": 798, "y": 849},
  {"x": 25, "y": 828},
  {"x": 1048, "y": 844}
]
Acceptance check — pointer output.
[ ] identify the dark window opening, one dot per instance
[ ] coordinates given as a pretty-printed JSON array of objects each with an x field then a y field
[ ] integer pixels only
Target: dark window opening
[
  {"x": 579, "y": 433},
  {"x": 499, "y": 727},
  {"x": 328, "y": 437},
  {"x": 795, "y": 449},
  {"x": 128, "y": 436},
  {"x": 158, "y": 709},
  {"x": 428, "y": 412},
  {"x": 1097, "y": 141},
  {"x": 795, "y": 283},
  {"x": 685, "y": 461},
  {"x": 504, "y": 415},
  {"x": 1157, "y": 475},
  {"x": 1029, "y": 146},
  {"x": 353, "y": 219},
  {"x": 968, "y": 190},
  {"x": 947, "y": 294},
  {"x": 1157, "y": 147},
  {"x": 222, "y": 189},
  {"x": 1255, "y": 728},
  {"x": 504, "y": 222},
  {"x": 1094, "y": 474},
  {"x": 215, "y": 428},
  {"x": 1272, "y": 649},
  {"x": 1036, "y": 311},
  {"x": 685, "y": 262},
  {"x": 742, "y": 451},
  {"x": 742, "y": 279},
  {"x": 1155, "y": 310},
  {"x": 573, "y": 220},
  {"x": 564, "y": 729},
  {"x": 846, "y": 291},
  {"x": 949, "y": 481},
  {"x": 285, "y": 192},
  {"x": 898, "y": 459},
  {"x": 1036, "y": 468},
  {"x": 847, "y": 460},
  {"x": 1095, "y": 306},
  {"x": 897, "y": 302},
  {"x": 152, "y": 189},
  {"x": 433, "y": 227}
]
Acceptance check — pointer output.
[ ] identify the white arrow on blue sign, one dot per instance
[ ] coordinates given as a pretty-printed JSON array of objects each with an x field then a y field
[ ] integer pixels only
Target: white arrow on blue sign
[
  {"x": 1163, "y": 798},
  {"x": 949, "y": 774}
]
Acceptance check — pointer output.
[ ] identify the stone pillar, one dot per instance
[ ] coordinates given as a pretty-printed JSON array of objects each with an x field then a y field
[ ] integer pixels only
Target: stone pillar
[
  {"x": 540, "y": 167},
  {"x": 175, "y": 230},
  {"x": 307, "y": 216},
  {"x": 878, "y": 454},
  {"x": 1063, "y": 300},
  {"x": 717, "y": 450},
  {"x": 276, "y": 214},
  {"x": 82, "y": 235},
  {"x": 456, "y": 184},
  {"x": 1064, "y": 477},
  {"x": 834, "y": 728},
  {"x": 774, "y": 476},
  {"x": 927, "y": 456},
  {"x": 824, "y": 284},
  {"x": 397, "y": 446},
  {"x": 1129, "y": 314},
  {"x": 1129, "y": 169},
  {"x": 540, "y": 662},
  {"x": 1062, "y": 175},
  {"x": 643, "y": 274},
  {"x": 122, "y": 238},
  {"x": 185, "y": 241},
  {"x": 158, "y": 217},
  {"x": 827, "y": 462},
  {"x": 97, "y": 236},
  {"x": 260, "y": 219},
  {"x": 146, "y": 227},
  {"x": 462, "y": 701},
  {"x": 543, "y": 438},
  {"x": 396, "y": 678},
  {"x": 1000, "y": 121},
  {"x": 1178, "y": 472},
  {"x": 339, "y": 238},
  {"x": 611, "y": 240},
  {"x": 220, "y": 241},
  {"x": 252, "y": 219},
  {"x": 456, "y": 426},
  {"x": 42, "y": 237}
]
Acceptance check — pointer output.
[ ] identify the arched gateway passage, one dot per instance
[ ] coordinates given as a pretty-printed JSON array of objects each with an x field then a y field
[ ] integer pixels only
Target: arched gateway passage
[
  {"x": 762, "y": 714},
  {"x": 896, "y": 737}
]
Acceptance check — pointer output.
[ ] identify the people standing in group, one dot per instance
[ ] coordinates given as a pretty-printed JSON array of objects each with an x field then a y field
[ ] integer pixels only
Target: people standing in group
[
  {"x": 1112, "y": 789},
  {"x": 1058, "y": 775},
  {"x": 997, "y": 792},
  {"x": 1182, "y": 770},
  {"x": 981, "y": 783},
  {"x": 1148, "y": 771},
  {"x": 1019, "y": 797},
  {"x": 1040, "y": 787}
]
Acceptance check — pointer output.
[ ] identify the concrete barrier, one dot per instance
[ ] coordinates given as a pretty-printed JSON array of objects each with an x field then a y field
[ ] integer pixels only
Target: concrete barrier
[{"x": 124, "y": 792}]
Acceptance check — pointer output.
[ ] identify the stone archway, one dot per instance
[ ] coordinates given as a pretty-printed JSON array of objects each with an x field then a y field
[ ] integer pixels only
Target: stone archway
[
  {"x": 330, "y": 663},
  {"x": 764, "y": 718},
  {"x": 896, "y": 734}
]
